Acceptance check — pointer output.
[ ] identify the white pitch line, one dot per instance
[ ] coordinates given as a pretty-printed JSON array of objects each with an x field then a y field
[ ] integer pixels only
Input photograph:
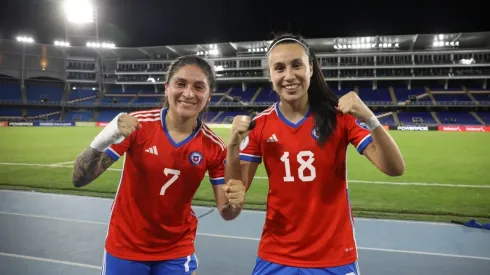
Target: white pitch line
[
  {"x": 62, "y": 163},
  {"x": 259, "y": 212},
  {"x": 420, "y": 184},
  {"x": 254, "y": 239},
  {"x": 435, "y": 184},
  {"x": 22, "y": 164},
  {"x": 46, "y": 165},
  {"x": 49, "y": 260},
  {"x": 423, "y": 253},
  {"x": 51, "y": 218}
]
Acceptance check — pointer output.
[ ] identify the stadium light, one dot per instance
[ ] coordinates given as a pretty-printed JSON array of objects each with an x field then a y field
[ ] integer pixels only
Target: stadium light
[
  {"x": 257, "y": 50},
  {"x": 365, "y": 45},
  {"x": 61, "y": 43},
  {"x": 79, "y": 11},
  {"x": 104, "y": 45},
  {"x": 213, "y": 50},
  {"x": 25, "y": 39},
  {"x": 210, "y": 52},
  {"x": 440, "y": 42}
]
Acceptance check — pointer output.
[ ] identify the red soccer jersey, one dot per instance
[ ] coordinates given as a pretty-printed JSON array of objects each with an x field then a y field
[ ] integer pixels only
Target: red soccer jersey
[
  {"x": 151, "y": 216},
  {"x": 309, "y": 220}
]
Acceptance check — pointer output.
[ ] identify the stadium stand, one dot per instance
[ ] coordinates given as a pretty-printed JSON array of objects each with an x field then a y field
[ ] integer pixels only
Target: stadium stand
[{"x": 403, "y": 82}]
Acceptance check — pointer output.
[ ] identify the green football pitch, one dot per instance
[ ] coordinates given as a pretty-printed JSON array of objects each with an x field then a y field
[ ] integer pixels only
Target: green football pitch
[{"x": 444, "y": 180}]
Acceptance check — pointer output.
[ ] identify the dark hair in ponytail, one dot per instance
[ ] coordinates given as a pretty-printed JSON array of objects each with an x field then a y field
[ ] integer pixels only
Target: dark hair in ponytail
[{"x": 322, "y": 100}]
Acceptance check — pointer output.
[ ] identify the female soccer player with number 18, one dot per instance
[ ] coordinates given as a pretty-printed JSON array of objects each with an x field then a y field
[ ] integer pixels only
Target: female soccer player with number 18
[
  {"x": 303, "y": 140},
  {"x": 168, "y": 151}
]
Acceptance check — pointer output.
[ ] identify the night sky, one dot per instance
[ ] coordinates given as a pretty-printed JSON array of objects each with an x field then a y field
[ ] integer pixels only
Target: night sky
[{"x": 132, "y": 23}]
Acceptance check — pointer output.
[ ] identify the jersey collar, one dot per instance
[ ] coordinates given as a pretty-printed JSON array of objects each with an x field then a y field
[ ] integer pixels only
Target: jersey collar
[
  {"x": 286, "y": 121},
  {"x": 163, "y": 114}
]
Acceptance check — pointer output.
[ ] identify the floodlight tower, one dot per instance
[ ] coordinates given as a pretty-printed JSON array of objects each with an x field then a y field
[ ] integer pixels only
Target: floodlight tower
[{"x": 81, "y": 20}]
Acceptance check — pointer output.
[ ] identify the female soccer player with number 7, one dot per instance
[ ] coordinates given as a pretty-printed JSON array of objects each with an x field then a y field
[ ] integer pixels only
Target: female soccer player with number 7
[
  {"x": 303, "y": 140},
  {"x": 168, "y": 151}
]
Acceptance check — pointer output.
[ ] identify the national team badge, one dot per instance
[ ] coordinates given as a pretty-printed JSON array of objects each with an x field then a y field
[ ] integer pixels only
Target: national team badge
[
  {"x": 314, "y": 134},
  {"x": 361, "y": 124},
  {"x": 195, "y": 158},
  {"x": 244, "y": 143}
]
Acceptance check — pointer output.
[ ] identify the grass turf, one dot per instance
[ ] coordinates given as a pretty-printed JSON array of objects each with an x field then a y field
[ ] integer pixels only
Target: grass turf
[{"x": 431, "y": 158}]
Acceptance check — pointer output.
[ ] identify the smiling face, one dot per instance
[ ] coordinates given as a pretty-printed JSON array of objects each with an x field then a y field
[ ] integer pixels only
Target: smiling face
[
  {"x": 188, "y": 91},
  {"x": 290, "y": 71}
]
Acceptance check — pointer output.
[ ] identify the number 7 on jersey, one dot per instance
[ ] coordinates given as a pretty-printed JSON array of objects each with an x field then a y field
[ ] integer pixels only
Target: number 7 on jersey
[{"x": 175, "y": 174}]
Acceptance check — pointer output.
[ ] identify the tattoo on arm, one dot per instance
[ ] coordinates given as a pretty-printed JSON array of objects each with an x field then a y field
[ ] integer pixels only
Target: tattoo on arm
[{"x": 89, "y": 165}]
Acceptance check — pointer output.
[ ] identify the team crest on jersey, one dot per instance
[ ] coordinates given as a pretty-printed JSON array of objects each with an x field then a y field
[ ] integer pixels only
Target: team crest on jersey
[
  {"x": 314, "y": 134},
  {"x": 244, "y": 143},
  {"x": 195, "y": 158},
  {"x": 361, "y": 124}
]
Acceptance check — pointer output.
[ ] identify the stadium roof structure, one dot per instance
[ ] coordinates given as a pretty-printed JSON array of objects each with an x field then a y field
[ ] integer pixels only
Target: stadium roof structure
[{"x": 321, "y": 46}]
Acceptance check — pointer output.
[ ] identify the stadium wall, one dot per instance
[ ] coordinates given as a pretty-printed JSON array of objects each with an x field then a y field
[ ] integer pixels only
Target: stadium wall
[{"x": 453, "y": 128}]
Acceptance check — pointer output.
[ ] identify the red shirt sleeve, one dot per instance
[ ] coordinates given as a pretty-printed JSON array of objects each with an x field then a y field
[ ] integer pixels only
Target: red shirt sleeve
[
  {"x": 357, "y": 133},
  {"x": 115, "y": 151},
  {"x": 216, "y": 167},
  {"x": 250, "y": 147}
]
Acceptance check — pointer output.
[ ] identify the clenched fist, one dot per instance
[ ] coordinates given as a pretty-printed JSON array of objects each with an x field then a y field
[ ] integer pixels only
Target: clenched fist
[
  {"x": 239, "y": 129},
  {"x": 120, "y": 127},
  {"x": 127, "y": 124},
  {"x": 350, "y": 103},
  {"x": 235, "y": 193}
]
